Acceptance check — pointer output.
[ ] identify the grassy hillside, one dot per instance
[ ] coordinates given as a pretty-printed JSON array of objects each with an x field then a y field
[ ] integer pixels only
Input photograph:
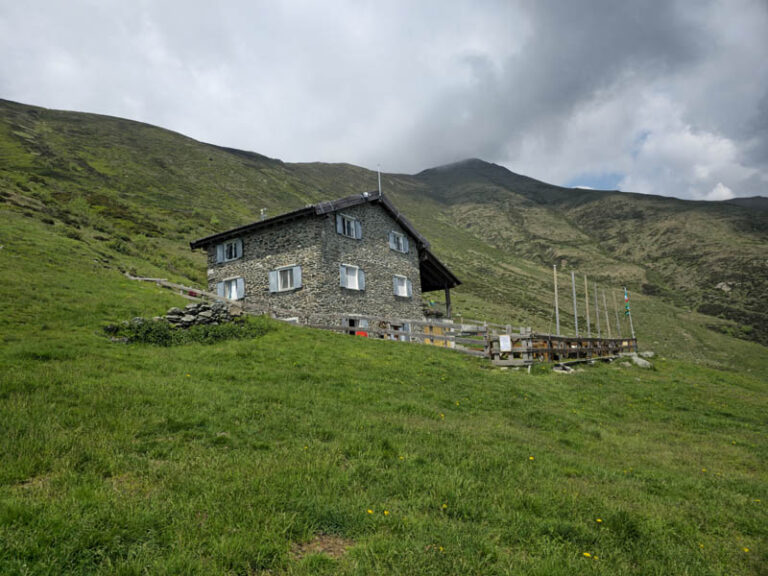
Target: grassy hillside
[
  {"x": 303, "y": 452},
  {"x": 136, "y": 194}
]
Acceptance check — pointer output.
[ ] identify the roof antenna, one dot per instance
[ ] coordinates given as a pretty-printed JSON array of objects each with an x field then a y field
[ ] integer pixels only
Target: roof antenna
[{"x": 378, "y": 169}]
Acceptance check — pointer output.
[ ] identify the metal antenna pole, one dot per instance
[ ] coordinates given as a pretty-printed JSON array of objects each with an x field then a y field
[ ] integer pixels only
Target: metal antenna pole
[
  {"x": 575, "y": 309},
  {"x": 586, "y": 301},
  {"x": 557, "y": 311},
  {"x": 378, "y": 170}
]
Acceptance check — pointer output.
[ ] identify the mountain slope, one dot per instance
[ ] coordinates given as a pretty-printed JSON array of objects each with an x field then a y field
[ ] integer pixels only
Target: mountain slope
[{"x": 136, "y": 194}]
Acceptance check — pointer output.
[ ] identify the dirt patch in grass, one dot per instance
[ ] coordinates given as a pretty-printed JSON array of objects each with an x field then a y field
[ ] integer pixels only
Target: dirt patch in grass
[{"x": 328, "y": 544}]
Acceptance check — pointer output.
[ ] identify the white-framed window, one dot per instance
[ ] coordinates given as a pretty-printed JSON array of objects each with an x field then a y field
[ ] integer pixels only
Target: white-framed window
[
  {"x": 229, "y": 250},
  {"x": 349, "y": 226},
  {"x": 402, "y": 286},
  {"x": 285, "y": 278},
  {"x": 398, "y": 242},
  {"x": 351, "y": 277},
  {"x": 232, "y": 288}
]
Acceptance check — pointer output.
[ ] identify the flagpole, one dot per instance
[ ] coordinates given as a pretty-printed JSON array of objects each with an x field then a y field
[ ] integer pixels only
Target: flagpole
[
  {"x": 586, "y": 301},
  {"x": 629, "y": 312},
  {"x": 597, "y": 313},
  {"x": 616, "y": 311},
  {"x": 575, "y": 309},
  {"x": 557, "y": 310},
  {"x": 607, "y": 321}
]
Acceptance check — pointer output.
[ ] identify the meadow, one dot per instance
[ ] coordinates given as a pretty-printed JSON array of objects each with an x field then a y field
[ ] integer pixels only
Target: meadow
[{"x": 305, "y": 452}]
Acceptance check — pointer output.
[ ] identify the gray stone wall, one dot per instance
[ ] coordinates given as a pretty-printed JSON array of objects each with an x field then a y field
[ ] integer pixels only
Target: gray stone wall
[{"x": 313, "y": 243}]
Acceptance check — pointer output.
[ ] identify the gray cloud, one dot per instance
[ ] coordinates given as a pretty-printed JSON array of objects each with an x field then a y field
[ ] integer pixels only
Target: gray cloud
[{"x": 666, "y": 97}]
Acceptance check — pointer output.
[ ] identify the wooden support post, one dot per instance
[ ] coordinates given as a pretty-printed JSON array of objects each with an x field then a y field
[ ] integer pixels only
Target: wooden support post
[
  {"x": 447, "y": 302},
  {"x": 616, "y": 310}
]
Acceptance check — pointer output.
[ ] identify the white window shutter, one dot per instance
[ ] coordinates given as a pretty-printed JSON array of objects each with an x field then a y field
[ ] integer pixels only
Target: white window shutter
[
  {"x": 339, "y": 224},
  {"x": 360, "y": 279},
  {"x": 273, "y": 286},
  {"x": 392, "y": 244},
  {"x": 405, "y": 244},
  {"x": 358, "y": 230},
  {"x": 297, "y": 276},
  {"x": 343, "y": 275},
  {"x": 394, "y": 285},
  {"x": 220, "y": 289},
  {"x": 240, "y": 289},
  {"x": 219, "y": 253},
  {"x": 409, "y": 286},
  {"x": 239, "y": 248}
]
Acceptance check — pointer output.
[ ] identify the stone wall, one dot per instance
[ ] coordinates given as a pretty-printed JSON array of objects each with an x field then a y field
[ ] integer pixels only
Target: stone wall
[{"x": 313, "y": 243}]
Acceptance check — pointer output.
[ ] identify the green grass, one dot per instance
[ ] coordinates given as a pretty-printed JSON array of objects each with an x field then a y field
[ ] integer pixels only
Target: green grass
[
  {"x": 215, "y": 459},
  {"x": 219, "y": 458}
]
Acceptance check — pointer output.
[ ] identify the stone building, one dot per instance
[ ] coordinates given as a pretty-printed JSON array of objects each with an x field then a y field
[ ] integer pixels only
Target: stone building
[{"x": 353, "y": 256}]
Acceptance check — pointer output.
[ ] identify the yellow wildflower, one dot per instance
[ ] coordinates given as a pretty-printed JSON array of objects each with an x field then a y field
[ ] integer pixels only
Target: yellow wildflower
[
  {"x": 599, "y": 520},
  {"x": 386, "y": 512},
  {"x": 370, "y": 511},
  {"x": 530, "y": 458},
  {"x": 745, "y": 549},
  {"x": 445, "y": 506},
  {"x": 587, "y": 555}
]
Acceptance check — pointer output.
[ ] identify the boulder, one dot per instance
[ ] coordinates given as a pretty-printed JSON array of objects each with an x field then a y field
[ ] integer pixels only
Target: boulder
[
  {"x": 175, "y": 312},
  {"x": 641, "y": 362},
  {"x": 188, "y": 319}
]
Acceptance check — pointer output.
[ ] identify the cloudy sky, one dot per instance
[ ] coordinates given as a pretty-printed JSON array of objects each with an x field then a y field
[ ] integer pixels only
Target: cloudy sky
[{"x": 654, "y": 96}]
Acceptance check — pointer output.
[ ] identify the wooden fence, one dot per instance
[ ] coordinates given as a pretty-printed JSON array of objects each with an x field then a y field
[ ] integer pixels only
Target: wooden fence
[{"x": 497, "y": 342}]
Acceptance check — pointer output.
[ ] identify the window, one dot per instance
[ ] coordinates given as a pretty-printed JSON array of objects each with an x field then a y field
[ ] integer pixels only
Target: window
[
  {"x": 234, "y": 289},
  {"x": 398, "y": 242},
  {"x": 351, "y": 277},
  {"x": 229, "y": 250},
  {"x": 284, "y": 279},
  {"x": 349, "y": 226},
  {"x": 402, "y": 286}
]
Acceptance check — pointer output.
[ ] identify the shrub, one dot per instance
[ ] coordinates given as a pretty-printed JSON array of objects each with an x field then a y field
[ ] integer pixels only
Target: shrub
[{"x": 162, "y": 333}]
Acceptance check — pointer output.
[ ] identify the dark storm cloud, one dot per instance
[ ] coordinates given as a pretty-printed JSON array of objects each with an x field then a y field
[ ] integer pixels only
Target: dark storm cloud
[{"x": 667, "y": 97}]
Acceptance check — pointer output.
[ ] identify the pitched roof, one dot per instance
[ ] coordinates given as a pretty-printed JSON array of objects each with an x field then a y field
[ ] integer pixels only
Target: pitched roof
[{"x": 434, "y": 274}]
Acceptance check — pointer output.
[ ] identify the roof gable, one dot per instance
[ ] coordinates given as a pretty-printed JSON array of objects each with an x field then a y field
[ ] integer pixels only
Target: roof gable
[{"x": 434, "y": 274}]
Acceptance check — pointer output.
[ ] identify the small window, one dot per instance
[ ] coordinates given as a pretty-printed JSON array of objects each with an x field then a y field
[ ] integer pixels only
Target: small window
[
  {"x": 398, "y": 242},
  {"x": 229, "y": 250},
  {"x": 349, "y": 226},
  {"x": 351, "y": 277},
  {"x": 402, "y": 286},
  {"x": 284, "y": 279},
  {"x": 234, "y": 289}
]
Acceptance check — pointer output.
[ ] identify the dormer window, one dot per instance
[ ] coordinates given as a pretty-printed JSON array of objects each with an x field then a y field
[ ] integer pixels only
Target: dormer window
[
  {"x": 229, "y": 250},
  {"x": 349, "y": 226},
  {"x": 398, "y": 242}
]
